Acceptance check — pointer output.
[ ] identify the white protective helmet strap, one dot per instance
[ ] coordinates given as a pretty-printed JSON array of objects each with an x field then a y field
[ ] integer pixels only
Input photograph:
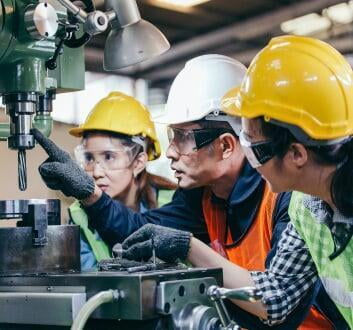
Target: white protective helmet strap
[
  {"x": 140, "y": 141},
  {"x": 234, "y": 122}
]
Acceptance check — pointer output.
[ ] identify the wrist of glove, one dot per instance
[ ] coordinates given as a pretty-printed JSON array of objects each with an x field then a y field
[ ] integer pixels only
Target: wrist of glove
[
  {"x": 169, "y": 244},
  {"x": 60, "y": 172}
]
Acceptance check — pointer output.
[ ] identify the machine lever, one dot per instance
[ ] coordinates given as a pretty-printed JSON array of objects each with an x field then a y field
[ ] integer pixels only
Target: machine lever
[
  {"x": 246, "y": 294},
  {"x": 217, "y": 294}
]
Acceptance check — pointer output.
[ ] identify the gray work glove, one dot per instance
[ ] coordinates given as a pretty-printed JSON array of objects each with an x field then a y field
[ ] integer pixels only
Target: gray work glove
[
  {"x": 170, "y": 244},
  {"x": 60, "y": 172}
]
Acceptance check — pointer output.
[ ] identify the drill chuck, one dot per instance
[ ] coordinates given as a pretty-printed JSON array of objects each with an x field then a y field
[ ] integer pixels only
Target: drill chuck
[{"x": 21, "y": 107}]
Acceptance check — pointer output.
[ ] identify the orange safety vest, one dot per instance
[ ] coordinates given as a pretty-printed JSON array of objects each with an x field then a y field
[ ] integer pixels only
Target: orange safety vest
[{"x": 252, "y": 250}]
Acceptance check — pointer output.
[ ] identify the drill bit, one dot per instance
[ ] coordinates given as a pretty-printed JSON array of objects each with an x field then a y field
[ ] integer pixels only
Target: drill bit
[{"x": 22, "y": 170}]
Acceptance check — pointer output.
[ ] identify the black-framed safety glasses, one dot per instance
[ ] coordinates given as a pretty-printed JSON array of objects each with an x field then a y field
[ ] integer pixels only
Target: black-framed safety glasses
[{"x": 257, "y": 153}]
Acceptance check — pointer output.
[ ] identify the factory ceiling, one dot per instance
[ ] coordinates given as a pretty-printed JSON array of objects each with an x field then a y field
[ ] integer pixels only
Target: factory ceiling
[{"x": 237, "y": 28}]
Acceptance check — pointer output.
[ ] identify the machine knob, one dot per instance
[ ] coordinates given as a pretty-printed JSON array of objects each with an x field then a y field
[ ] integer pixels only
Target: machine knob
[{"x": 41, "y": 20}]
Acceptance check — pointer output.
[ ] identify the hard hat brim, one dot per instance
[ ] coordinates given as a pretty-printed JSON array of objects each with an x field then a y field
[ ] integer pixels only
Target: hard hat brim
[
  {"x": 230, "y": 102},
  {"x": 76, "y": 131},
  {"x": 167, "y": 120}
]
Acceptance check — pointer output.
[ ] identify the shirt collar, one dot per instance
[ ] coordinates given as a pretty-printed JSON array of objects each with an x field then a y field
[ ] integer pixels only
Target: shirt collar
[
  {"x": 247, "y": 182},
  {"x": 245, "y": 185}
]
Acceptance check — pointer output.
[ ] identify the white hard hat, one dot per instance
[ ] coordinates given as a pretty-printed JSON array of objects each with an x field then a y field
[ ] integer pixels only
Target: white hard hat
[{"x": 198, "y": 89}]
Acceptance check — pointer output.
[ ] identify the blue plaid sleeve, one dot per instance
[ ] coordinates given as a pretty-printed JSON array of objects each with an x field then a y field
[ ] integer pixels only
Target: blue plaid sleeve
[{"x": 290, "y": 274}]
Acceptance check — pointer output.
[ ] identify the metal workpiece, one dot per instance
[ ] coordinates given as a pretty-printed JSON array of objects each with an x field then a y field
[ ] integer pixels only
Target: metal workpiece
[
  {"x": 34, "y": 213},
  {"x": 18, "y": 208},
  {"x": 41, "y": 20},
  {"x": 19, "y": 255}
]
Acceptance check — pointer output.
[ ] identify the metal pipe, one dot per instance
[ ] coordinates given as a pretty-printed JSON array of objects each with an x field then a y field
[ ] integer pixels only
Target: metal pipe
[
  {"x": 91, "y": 305},
  {"x": 222, "y": 312},
  {"x": 42, "y": 122},
  {"x": 4, "y": 131}
]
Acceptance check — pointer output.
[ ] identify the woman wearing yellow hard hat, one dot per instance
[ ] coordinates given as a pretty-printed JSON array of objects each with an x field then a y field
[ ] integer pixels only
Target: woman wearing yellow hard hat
[
  {"x": 118, "y": 138},
  {"x": 296, "y": 104}
]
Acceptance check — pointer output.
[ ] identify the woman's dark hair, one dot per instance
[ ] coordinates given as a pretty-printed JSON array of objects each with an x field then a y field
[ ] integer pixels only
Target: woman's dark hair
[{"x": 340, "y": 154}]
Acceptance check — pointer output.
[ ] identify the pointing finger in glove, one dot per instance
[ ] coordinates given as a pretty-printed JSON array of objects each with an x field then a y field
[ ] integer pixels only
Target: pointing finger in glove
[{"x": 53, "y": 151}]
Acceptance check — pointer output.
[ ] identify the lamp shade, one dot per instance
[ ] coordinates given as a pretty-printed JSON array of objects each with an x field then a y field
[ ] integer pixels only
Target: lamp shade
[{"x": 133, "y": 44}]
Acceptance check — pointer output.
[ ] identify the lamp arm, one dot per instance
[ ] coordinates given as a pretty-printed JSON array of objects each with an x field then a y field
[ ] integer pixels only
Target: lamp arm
[{"x": 79, "y": 13}]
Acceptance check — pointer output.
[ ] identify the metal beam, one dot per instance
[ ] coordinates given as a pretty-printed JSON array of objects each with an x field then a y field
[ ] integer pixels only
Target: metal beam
[
  {"x": 166, "y": 66},
  {"x": 94, "y": 58},
  {"x": 169, "y": 72},
  {"x": 344, "y": 45}
]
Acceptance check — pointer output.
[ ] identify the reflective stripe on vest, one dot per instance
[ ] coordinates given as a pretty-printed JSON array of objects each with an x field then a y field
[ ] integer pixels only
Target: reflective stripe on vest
[
  {"x": 79, "y": 217},
  {"x": 252, "y": 250},
  {"x": 336, "y": 275}
]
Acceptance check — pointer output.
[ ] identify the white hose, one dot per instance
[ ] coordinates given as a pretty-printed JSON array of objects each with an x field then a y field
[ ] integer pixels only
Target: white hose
[{"x": 90, "y": 306}]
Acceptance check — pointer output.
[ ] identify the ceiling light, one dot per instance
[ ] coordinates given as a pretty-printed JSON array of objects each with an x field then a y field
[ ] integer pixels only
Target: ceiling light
[
  {"x": 182, "y": 3},
  {"x": 306, "y": 25},
  {"x": 341, "y": 13}
]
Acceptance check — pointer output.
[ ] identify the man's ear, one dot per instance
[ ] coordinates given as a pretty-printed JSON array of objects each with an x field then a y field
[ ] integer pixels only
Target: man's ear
[
  {"x": 298, "y": 155},
  {"x": 139, "y": 163},
  {"x": 228, "y": 143}
]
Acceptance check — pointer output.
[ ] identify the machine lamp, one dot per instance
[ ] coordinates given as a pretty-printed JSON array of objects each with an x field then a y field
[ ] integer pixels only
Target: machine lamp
[{"x": 131, "y": 39}]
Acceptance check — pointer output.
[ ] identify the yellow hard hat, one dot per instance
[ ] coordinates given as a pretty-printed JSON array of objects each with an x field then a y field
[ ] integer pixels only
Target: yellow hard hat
[
  {"x": 123, "y": 114},
  {"x": 300, "y": 82}
]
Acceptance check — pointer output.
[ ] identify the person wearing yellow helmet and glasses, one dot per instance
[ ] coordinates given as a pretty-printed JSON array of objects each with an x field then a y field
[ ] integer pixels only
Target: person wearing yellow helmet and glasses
[
  {"x": 296, "y": 104},
  {"x": 118, "y": 138}
]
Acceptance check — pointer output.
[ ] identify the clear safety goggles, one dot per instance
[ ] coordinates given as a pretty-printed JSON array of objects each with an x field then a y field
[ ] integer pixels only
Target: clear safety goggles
[
  {"x": 187, "y": 141},
  {"x": 257, "y": 153},
  {"x": 112, "y": 159}
]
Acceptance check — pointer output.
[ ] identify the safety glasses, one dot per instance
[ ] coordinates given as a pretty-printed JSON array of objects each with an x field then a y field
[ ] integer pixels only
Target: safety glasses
[
  {"x": 257, "y": 153},
  {"x": 187, "y": 141},
  {"x": 112, "y": 159}
]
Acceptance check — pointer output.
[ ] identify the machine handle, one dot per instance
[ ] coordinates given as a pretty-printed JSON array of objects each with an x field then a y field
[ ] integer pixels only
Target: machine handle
[{"x": 246, "y": 293}]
